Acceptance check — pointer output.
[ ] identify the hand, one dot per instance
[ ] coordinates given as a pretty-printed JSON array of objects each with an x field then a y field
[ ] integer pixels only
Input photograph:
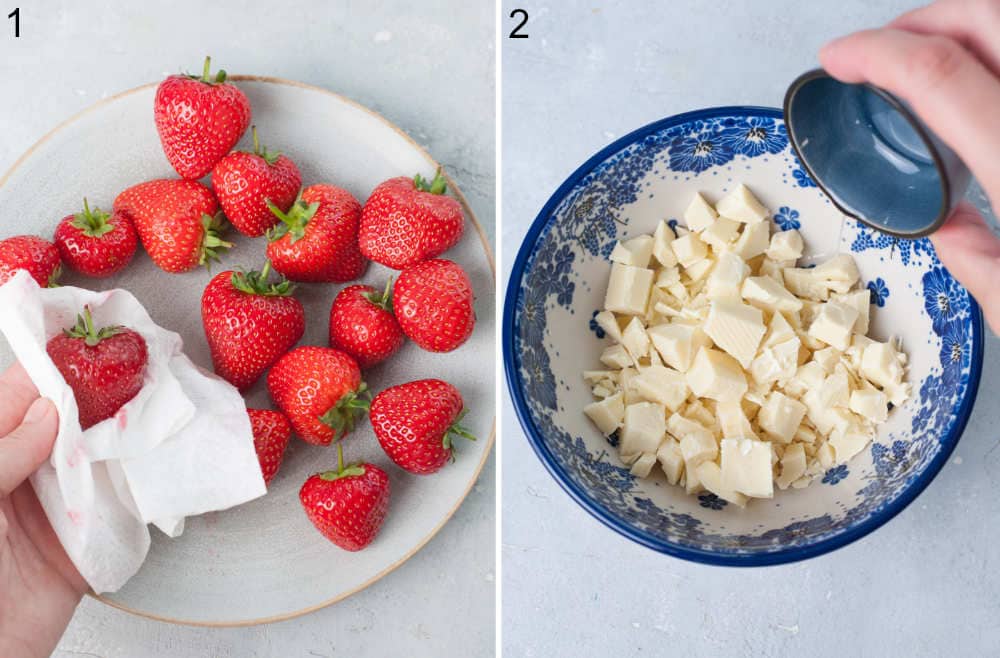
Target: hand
[
  {"x": 39, "y": 586},
  {"x": 944, "y": 60}
]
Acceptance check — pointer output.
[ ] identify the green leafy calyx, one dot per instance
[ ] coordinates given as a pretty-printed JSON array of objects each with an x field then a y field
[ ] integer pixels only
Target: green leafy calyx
[
  {"x": 294, "y": 221},
  {"x": 437, "y": 186},
  {"x": 84, "y": 329},
  {"x": 350, "y": 470},
  {"x": 206, "y": 74},
  {"x": 457, "y": 430},
  {"x": 256, "y": 283},
  {"x": 381, "y": 299},
  {"x": 342, "y": 416},
  {"x": 94, "y": 223},
  {"x": 270, "y": 157},
  {"x": 211, "y": 242}
]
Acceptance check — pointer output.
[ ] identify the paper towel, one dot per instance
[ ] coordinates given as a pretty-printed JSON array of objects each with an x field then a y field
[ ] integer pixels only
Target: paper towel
[{"x": 183, "y": 446}]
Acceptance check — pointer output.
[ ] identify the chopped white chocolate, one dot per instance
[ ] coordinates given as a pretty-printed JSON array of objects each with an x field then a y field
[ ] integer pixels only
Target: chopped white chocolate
[
  {"x": 645, "y": 425},
  {"x": 735, "y": 327},
  {"x": 635, "y": 252},
  {"x": 716, "y": 375},
  {"x": 764, "y": 292},
  {"x": 671, "y": 460},
  {"x": 635, "y": 340},
  {"x": 742, "y": 205},
  {"x": 721, "y": 233},
  {"x": 661, "y": 384},
  {"x": 870, "y": 403},
  {"x": 710, "y": 476},
  {"x": 833, "y": 324},
  {"x": 780, "y": 416},
  {"x": 793, "y": 465},
  {"x": 746, "y": 467},
  {"x": 615, "y": 356},
  {"x": 607, "y": 414},
  {"x": 698, "y": 446},
  {"x": 643, "y": 465},
  {"x": 753, "y": 241},
  {"x": 785, "y": 245},
  {"x": 727, "y": 277},
  {"x": 606, "y": 321},
  {"x": 678, "y": 343},
  {"x": 699, "y": 214},
  {"x": 662, "y": 251},
  {"x": 689, "y": 249},
  {"x": 628, "y": 289}
]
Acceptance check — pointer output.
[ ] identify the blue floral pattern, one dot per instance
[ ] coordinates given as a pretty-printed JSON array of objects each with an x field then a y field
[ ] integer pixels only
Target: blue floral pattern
[
  {"x": 585, "y": 225},
  {"x": 787, "y": 219},
  {"x": 596, "y": 328},
  {"x": 878, "y": 291}
]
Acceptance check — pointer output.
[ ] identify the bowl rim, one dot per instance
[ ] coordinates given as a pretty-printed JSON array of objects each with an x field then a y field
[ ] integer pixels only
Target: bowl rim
[{"x": 705, "y": 556}]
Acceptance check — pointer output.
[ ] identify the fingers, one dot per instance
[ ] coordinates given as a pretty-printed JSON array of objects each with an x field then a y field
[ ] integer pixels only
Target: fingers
[
  {"x": 970, "y": 251},
  {"x": 975, "y": 24},
  {"x": 954, "y": 94},
  {"x": 17, "y": 392},
  {"x": 23, "y": 450}
]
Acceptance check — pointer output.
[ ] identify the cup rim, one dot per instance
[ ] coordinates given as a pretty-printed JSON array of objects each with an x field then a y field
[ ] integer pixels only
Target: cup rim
[
  {"x": 904, "y": 111},
  {"x": 704, "y": 556}
]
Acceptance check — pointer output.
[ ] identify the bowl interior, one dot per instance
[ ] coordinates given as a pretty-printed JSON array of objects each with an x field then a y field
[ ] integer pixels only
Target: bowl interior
[{"x": 558, "y": 284}]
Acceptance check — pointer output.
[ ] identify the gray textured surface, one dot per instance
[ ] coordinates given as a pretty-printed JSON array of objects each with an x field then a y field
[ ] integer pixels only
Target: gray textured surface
[
  {"x": 429, "y": 72},
  {"x": 591, "y": 72}
]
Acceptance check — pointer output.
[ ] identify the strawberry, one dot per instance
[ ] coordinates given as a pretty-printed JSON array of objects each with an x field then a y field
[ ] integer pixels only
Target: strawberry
[
  {"x": 249, "y": 323},
  {"x": 199, "y": 120},
  {"x": 271, "y": 432},
  {"x": 321, "y": 392},
  {"x": 362, "y": 324},
  {"x": 347, "y": 505},
  {"x": 433, "y": 303},
  {"x": 105, "y": 368},
  {"x": 36, "y": 256},
  {"x": 178, "y": 222},
  {"x": 317, "y": 239},
  {"x": 408, "y": 220},
  {"x": 414, "y": 423},
  {"x": 243, "y": 182},
  {"x": 96, "y": 243}
]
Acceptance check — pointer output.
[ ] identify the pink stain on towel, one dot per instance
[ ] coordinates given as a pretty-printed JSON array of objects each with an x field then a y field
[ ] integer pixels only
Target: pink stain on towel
[
  {"x": 76, "y": 518},
  {"x": 122, "y": 417}
]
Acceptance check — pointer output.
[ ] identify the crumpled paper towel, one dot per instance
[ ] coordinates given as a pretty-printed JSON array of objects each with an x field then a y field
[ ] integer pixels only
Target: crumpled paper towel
[{"x": 183, "y": 446}]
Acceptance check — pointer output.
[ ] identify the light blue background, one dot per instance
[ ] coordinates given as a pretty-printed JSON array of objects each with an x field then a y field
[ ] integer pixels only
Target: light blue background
[{"x": 925, "y": 584}]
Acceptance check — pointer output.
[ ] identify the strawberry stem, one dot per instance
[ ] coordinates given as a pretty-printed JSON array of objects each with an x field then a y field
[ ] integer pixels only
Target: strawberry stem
[
  {"x": 352, "y": 470},
  {"x": 93, "y": 223},
  {"x": 342, "y": 416},
  {"x": 383, "y": 300},
  {"x": 457, "y": 430},
  {"x": 256, "y": 283},
  {"x": 294, "y": 221},
  {"x": 438, "y": 186},
  {"x": 206, "y": 74},
  {"x": 84, "y": 328},
  {"x": 269, "y": 157}
]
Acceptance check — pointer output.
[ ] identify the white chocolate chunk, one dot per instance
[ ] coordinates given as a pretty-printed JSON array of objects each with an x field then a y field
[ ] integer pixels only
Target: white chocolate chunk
[
  {"x": 835, "y": 391},
  {"x": 735, "y": 327},
  {"x": 764, "y": 292},
  {"x": 793, "y": 465},
  {"x": 870, "y": 403},
  {"x": 727, "y": 277},
  {"x": 733, "y": 421},
  {"x": 607, "y": 414},
  {"x": 746, "y": 467},
  {"x": 662, "y": 251},
  {"x": 742, "y": 205},
  {"x": 840, "y": 269},
  {"x": 776, "y": 363},
  {"x": 680, "y": 426},
  {"x": 635, "y": 340},
  {"x": 628, "y": 289},
  {"x": 660, "y": 384},
  {"x": 643, "y": 429},
  {"x": 716, "y": 375},
  {"x": 615, "y": 356},
  {"x": 780, "y": 416},
  {"x": 668, "y": 276},
  {"x": 833, "y": 324},
  {"x": 678, "y": 343},
  {"x": 699, "y": 214},
  {"x": 880, "y": 366},
  {"x": 697, "y": 447},
  {"x": 689, "y": 249},
  {"x": 710, "y": 476},
  {"x": 643, "y": 465},
  {"x": 671, "y": 460},
  {"x": 606, "y": 321},
  {"x": 785, "y": 245},
  {"x": 778, "y": 330},
  {"x": 721, "y": 233},
  {"x": 847, "y": 444},
  {"x": 699, "y": 270},
  {"x": 635, "y": 252},
  {"x": 753, "y": 241},
  {"x": 859, "y": 300}
]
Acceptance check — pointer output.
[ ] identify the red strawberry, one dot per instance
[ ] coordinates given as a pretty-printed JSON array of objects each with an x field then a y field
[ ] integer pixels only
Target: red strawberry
[
  {"x": 249, "y": 323},
  {"x": 244, "y": 182},
  {"x": 317, "y": 240},
  {"x": 271, "y": 432},
  {"x": 105, "y": 368},
  {"x": 96, "y": 243},
  {"x": 362, "y": 325},
  {"x": 433, "y": 303},
  {"x": 408, "y": 220},
  {"x": 178, "y": 222},
  {"x": 321, "y": 392},
  {"x": 347, "y": 505},
  {"x": 199, "y": 120},
  {"x": 34, "y": 255},
  {"x": 414, "y": 423}
]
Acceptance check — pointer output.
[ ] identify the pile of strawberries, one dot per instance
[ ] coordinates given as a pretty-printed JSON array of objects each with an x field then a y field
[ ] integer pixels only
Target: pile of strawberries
[{"x": 252, "y": 320}]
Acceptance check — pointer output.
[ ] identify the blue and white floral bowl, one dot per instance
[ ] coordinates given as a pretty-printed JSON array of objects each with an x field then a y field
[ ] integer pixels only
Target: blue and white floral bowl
[{"x": 558, "y": 284}]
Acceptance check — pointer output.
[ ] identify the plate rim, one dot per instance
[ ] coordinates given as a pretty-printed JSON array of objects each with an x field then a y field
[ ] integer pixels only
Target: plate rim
[
  {"x": 703, "y": 556},
  {"x": 487, "y": 249}
]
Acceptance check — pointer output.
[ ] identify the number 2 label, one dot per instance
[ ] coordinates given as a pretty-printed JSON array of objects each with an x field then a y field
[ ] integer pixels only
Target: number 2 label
[{"x": 516, "y": 32}]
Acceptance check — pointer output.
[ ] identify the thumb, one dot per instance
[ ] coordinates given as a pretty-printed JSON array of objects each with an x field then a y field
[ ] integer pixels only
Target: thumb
[
  {"x": 28, "y": 446},
  {"x": 971, "y": 252}
]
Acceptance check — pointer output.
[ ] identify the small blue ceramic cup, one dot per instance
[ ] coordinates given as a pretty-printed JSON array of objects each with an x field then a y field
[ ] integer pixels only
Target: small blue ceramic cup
[{"x": 872, "y": 156}]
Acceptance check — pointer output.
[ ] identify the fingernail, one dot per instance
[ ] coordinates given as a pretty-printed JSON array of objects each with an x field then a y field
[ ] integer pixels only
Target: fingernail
[{"x": 37, "y": 411}]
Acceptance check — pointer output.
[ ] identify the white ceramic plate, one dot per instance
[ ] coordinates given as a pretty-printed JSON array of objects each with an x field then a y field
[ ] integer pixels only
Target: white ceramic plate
[{"x": 264, "y": 561}]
